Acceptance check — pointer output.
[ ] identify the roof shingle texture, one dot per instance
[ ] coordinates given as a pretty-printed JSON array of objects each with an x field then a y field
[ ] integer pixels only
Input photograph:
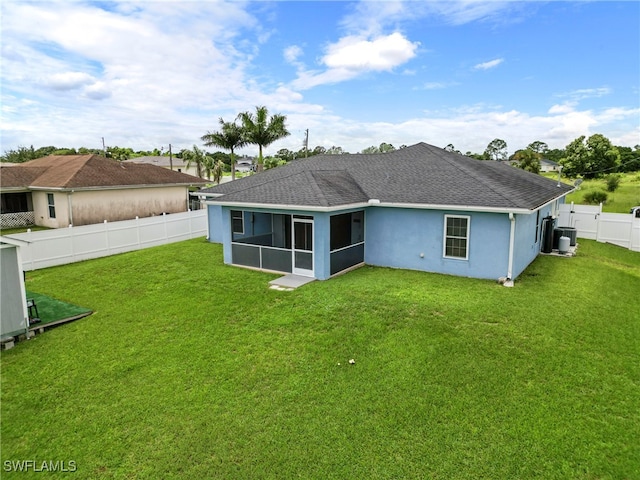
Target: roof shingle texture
[
  {"x": 87, "y": 171},
  {"x": 419, "y": 174}
]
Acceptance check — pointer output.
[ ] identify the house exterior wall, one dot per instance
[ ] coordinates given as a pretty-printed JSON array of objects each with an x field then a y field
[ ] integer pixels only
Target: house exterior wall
[
  {"x": 528, "y": 239},
  {"x": 41, "y": 209},
  {"x": 414, "y": 238},
  {"x": 96, "y": 206},
  {"x": 214, "y": 219}
]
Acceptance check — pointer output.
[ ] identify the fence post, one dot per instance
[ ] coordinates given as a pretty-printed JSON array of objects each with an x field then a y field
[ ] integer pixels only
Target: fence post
[
  {"x": 33, "y": 263},
  {"x": 138, "y": 231},
  {"x": 73, "y": 250},
  {"x": 598, "y": 223},
  {"x": 164, "y": 221},
  {"x": 106, "y": 235}
]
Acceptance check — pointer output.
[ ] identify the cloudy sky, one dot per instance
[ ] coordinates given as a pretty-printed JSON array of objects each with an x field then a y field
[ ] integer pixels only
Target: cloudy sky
[{"x": 146, "y": 74}]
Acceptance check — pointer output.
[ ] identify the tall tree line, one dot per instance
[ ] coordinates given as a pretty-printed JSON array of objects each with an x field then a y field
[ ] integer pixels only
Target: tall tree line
[{"x": 586, "y": 157}]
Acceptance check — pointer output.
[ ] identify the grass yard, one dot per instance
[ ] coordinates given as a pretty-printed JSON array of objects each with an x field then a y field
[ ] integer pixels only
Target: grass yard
[
  {"x": 627, "y": 195},
  {"x": 192, "y": 369},
  {"x": 11, "y": 231}
]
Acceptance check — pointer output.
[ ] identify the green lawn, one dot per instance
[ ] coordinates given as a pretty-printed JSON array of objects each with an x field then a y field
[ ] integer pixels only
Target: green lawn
[
  {"x": 11, "y": 231},
  {"x": 192, "y": 369},
  {"x": 627, "y": 195}
]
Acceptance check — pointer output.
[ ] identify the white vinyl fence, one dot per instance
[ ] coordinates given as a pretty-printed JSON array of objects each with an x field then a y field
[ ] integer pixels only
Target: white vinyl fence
[
  {"x": 591, "y": 222},
  {"x": 47, "y": 248}
]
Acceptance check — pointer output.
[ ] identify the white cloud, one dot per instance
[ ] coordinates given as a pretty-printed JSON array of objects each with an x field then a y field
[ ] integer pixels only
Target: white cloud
[
  {"x": 69, "y": 80},
  {"x": 467, "y": 11},
  {"x": 383, "y": 53},
  {"x": 561, "y": 109},
  {"x": 437, "y": 85},
  {"x": 97, "y": 91},
  {"x": 292, "y": 53},
  {"x": 352, "y": 56},
  {"x": 372, "y": 17},
  {"x": 488, "y": 65},
  {"x": 583, "y": 93}
]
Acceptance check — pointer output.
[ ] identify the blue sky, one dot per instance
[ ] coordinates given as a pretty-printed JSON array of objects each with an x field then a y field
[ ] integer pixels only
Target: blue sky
[{"x": 146, "y": 74}]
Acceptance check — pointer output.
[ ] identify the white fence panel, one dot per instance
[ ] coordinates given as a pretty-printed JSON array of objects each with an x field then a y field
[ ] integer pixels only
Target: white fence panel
[
  {"x": 47, "y": 248},
  {"x": 615, "y": 228},
  {"x": 584, "y": 218},
  {"x": 621, "y": 229}
]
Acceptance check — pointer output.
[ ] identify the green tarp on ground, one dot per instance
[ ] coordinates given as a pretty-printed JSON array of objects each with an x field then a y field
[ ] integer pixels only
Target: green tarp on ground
[{"x": 51, "y": 310}]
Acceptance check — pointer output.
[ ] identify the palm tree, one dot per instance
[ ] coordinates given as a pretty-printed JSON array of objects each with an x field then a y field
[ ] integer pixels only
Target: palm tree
[
  {"x": 261, "y": 130},
  {"x": 230, "y": 137},
  {"x": 196, "y": 156},
  {"x": 213, "y": 168}
]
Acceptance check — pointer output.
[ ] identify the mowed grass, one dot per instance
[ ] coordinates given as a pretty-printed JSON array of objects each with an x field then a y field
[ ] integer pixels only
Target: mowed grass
[{"x": 192, "y": 369}]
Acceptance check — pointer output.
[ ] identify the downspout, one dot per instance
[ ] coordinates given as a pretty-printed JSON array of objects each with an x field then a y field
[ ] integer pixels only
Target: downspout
[
  {"x": 70, "y": 207},
  {"x": 512, "y": 239}
]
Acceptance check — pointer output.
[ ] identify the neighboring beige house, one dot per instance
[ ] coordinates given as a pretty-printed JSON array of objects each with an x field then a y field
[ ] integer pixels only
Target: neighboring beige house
[
  {"x": 62, "y": 190},
  {"x": 175, "y": 164},
  {"x": 548, "y": 165}
]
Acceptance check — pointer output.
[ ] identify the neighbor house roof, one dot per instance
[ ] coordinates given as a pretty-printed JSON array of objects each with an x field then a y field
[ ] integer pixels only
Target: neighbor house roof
[
  {"x": 417, "y": 175},
  {"x": 160, "y": 161},
  {"x": 88, "y": 171},
  {"x": 550, "y": 163}
]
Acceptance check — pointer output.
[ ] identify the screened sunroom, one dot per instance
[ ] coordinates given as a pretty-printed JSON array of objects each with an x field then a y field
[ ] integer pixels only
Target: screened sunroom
[{"x": 314, "y": 245}]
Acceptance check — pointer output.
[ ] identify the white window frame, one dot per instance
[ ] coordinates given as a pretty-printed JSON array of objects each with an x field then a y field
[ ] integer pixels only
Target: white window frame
[{"x": 445, "y": 236}]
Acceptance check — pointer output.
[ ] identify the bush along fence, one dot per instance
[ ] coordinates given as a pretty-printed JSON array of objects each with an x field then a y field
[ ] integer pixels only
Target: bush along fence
[
  {"x": 591, "y": 222},
  {"x": 47, "y": 248}
]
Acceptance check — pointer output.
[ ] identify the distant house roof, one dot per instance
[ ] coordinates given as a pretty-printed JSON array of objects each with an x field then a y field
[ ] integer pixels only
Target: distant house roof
[
  {"x": 160, "y": 161},
  {"x": 419, "y": 175},
  {"x": 88, "y": 171},
  {"x": 549, "y": 163}
]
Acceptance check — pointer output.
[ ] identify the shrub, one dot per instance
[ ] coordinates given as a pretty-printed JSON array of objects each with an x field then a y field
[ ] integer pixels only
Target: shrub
[
  {"x": 613, "y": 181},
  {"x": 595, "y": 197}
]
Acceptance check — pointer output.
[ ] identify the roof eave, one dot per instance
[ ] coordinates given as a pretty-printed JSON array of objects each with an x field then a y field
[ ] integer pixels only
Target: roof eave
[
  {"x": 374, "y": 203},
  {"x": 283, "y": 206},
  {"x": 114, "y": 187}
]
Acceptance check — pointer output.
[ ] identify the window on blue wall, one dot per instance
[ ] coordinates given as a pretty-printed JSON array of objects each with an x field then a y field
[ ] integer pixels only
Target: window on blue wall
[
  {"x": 537, "y": 225},
  {"x": 346, "y": 229},
  {"x": 456, "y": 236},
  {"x": 237, "y": 221}
]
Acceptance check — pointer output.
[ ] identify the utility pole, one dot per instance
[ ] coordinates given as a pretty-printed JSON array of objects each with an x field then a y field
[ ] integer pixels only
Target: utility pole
[
  {"x": 104, "y": 148},
  {"x": 170, "y": 158},
  {"x": 306, "y": 143}
]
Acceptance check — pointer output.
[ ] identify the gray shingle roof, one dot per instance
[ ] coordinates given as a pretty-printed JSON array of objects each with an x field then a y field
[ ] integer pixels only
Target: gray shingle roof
[{"x": 419, "y": 174}]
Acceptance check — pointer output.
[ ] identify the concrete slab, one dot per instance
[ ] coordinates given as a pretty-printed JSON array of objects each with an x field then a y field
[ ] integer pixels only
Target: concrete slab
[{"x": 290, "y": 281}]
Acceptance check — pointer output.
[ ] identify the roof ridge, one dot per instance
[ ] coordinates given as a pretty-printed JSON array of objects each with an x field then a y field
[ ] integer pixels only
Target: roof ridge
[
  {"x": 316, "y": 187},
  {"x": 77, "y": 170},
  {"x": 473, "y": 174}
]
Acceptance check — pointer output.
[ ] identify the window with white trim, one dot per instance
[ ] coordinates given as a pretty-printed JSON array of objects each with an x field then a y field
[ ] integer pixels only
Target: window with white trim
[{"x": 456, "y": 236}]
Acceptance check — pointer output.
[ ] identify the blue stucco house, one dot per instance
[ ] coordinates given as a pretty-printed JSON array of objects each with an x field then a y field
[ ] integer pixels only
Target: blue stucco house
[{"x": 419, "y": 207}]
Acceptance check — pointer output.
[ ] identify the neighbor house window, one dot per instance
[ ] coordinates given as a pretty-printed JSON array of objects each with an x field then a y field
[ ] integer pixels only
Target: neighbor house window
[
  {"x": 237, "y": 221},
  {"x": 456, "y": 236},
  {"x": 52, "y": 205}
]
